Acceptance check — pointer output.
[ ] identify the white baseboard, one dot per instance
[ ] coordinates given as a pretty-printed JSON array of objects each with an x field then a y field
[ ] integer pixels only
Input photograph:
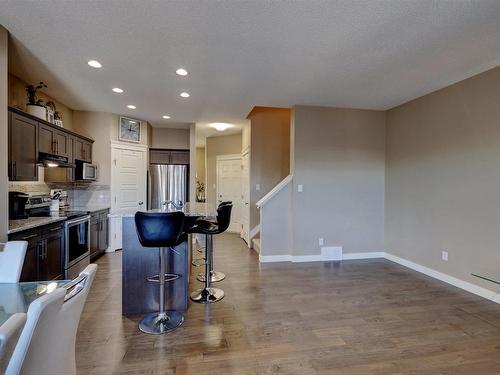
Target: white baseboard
[{"x": 465, "y": 285}]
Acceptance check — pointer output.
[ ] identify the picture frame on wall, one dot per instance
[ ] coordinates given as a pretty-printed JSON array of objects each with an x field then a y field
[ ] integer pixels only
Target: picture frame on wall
[{"x": 129, "y": 130}]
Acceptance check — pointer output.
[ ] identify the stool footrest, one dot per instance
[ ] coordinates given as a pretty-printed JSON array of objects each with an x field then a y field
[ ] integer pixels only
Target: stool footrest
[
  {"x": 168, "y": 277},
  {"x": 198, "y": 262},
  {"x": 216, "y": 276}
]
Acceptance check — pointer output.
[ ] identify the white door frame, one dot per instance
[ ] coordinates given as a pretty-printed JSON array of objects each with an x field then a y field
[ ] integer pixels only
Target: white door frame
[
  {"x": 245, "y": 209},
  {"x": 115, "y": 227},
  {"x": 217, "y": 159}
]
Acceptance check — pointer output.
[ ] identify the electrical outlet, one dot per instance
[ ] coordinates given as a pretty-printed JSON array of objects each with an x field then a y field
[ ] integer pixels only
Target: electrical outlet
[
  {"x": 300, "y": 188},
  {"x": 321, "y": 241},
  {"x": 257, "y": 187},
  {"x": 444, "y": 255}
]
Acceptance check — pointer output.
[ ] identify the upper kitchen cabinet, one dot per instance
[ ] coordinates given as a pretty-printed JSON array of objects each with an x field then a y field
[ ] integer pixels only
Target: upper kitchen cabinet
[
  {"x": 161, "y": 156},
  {"x": 82, "y": 150},
  {"x": 23, "y": 148},
  {"x": 28, "y": 136}
]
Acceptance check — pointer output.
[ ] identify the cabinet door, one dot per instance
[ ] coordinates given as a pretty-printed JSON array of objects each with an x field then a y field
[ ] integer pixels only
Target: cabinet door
[
  {"x": 52, "y": 254},
  {"x": 23, "y": 148},
  {"x": 159, "y": 157},
  {"x": 87, "y": 151},
  {"x": 46, "y": 139},
  {"x": 94, "y": 237},
  {"x": 179, "y": 157},
  {"x": 63, "y": 144},
  {"x": 77, "y": 149},
  {"x": 30, "y": 266},
  {"x": 104, "y": 229}
]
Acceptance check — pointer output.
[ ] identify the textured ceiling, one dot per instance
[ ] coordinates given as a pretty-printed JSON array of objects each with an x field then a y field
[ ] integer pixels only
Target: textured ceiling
[{"x": 364, "y": 54}]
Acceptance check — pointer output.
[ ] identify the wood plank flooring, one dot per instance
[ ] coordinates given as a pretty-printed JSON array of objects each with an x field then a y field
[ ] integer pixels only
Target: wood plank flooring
[{"x": 353, "y": 317}]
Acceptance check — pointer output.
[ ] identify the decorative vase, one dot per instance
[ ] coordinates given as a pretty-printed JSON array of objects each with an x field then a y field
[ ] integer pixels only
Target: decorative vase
[{"x": 37, "y": 111}]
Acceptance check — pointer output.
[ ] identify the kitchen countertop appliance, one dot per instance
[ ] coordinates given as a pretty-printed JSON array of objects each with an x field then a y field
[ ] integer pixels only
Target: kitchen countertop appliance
[{"x": 17, "y": 205}]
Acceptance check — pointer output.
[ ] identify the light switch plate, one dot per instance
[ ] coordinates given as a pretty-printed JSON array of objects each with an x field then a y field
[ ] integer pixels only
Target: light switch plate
[
  {"x": 300, "y": 188},
  {"x": 444, "y": 256},
  {"x": 257, "y": 187}
]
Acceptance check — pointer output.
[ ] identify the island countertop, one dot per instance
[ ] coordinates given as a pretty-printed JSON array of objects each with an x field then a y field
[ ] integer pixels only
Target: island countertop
[{"x": 189, "y": 209}]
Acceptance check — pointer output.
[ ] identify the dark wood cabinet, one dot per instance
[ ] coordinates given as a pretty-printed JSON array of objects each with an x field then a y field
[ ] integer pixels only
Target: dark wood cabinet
[
  {"x": 82, "y": 150},
  {"x": 23, "y": 148},
  {"x": 44, "y": 258},
  {"x": 99, "y": 231},
  {"x": 29, "y": 135},
  {"x": 160, "y": 156}
]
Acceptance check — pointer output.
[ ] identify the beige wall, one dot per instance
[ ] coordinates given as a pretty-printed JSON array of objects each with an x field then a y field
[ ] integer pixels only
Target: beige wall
[
  {"x": 443, "y": 178},
  {"x": 17, "y": 98},
  {"x": 245, "y": 137},
  {"x": 200, "y": 164},
  {"x": 4, "y": 180},
  {"x": 270, "y": 153},
  {"x": 339, "y": 158},
  {"x": 170, "y": 138},
  {"x": 224, "y": 145}
]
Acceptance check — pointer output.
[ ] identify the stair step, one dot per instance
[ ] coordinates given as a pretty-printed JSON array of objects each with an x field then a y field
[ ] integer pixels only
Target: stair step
[{"x": 256, "y": 244}]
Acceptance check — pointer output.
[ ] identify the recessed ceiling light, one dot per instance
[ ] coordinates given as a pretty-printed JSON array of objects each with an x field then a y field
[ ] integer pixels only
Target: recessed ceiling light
[
  {"x": 185, "y": 95},
  {"x": 182, "y": 72},
  {"x": 95, "y": 64},
  {"x": 221, "y": 126},
  {"x": 131, "y": 106},
  {"x": 117, "y": 90},
  {"x": 166, "y": 117}
]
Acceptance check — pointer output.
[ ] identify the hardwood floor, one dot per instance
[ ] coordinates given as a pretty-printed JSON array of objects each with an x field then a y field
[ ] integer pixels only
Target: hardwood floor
[{"x": 354, "y": 317}]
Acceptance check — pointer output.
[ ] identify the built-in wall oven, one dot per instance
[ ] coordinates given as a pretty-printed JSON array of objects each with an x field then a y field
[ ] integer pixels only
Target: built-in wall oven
[{"x": 77, "y": 244}]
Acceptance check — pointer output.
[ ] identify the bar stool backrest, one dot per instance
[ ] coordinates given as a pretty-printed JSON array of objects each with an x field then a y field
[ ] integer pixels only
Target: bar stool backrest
[
  {"x": 159, "y": 229},
  {"x": 224, "y": 216}
]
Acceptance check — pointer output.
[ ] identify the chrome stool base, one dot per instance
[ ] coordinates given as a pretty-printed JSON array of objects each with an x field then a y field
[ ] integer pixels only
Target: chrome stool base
[
  {"x": 207, "y": 295},
  {"x": 158, "y": 323},
  {"x": 216, "y": 276},
  {"x": 198, "y": 262}
]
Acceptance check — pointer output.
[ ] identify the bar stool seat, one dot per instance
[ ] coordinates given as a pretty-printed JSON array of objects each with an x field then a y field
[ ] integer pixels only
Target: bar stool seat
[{"x": 160, "y": 230}]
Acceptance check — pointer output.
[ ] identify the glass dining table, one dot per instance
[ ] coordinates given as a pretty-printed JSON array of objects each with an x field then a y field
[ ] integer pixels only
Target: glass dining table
[{"x": 15, "y": 298}]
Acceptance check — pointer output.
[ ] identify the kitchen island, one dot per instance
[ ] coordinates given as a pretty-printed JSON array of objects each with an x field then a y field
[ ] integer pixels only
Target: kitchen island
[{"x": 140, "y": 296}]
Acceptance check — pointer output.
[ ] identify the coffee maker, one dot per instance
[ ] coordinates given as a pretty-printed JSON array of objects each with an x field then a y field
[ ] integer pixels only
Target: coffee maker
[{"x": 17, "y": 205}]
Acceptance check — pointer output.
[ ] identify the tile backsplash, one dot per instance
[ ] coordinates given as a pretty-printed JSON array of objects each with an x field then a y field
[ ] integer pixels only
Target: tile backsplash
[{"x": 98, "y": 196}]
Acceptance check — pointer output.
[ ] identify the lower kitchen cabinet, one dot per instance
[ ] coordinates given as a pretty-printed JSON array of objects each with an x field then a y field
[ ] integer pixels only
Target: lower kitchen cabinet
[
  {"x": 44, "y": 258},
  {"x": 99, "y": 231}
]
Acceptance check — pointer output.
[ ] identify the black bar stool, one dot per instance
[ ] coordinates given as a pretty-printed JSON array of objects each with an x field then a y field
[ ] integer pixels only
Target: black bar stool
[
  {"x": 209, "y": 228},
  {"x": 160, "y": 230}
]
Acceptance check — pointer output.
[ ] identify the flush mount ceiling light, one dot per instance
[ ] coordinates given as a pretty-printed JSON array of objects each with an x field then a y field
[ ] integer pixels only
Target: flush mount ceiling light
[
  {"x": 131, "y": 106},
  {"x": 117, "y": 90},
  {"x": 185, "y": 95},
  {"x": 166, "y": 117},
  {"x": 220, "y": 126},
  {"x": 181, "y": 72},
  {"x": 95, "y": 64}
]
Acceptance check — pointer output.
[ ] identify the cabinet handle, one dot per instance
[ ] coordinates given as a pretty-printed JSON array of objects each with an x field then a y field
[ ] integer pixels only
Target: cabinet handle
[
  {"x": 45, "y": 249},
  {"x": 28, "y": 237},
  {"x": 54, "y": 229},
  {"x": 14, "y": 169}
]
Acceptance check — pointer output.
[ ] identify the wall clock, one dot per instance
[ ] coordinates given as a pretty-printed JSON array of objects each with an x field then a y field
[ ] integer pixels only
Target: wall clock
[{"x": 130, "y": 130}]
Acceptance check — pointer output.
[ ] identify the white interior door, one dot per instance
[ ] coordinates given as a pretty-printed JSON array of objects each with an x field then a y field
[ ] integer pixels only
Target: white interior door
[
  {"x": 229, "y": 187},
  {"x": 245, "y": 195},
  {"x": 128, "y": 186}
]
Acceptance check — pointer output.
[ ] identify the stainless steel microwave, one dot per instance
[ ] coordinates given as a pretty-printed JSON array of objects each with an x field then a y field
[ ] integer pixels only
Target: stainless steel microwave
[{"x": 85, "y": 171}]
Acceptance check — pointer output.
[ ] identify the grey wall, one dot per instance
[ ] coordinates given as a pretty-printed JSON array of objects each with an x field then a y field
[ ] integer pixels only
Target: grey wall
[
  {"x": 170, "y": 138},
  {"x": 4, "y": 179},
  {"x": 339, "y": 158},
  {"x": 443, "y": 178}
]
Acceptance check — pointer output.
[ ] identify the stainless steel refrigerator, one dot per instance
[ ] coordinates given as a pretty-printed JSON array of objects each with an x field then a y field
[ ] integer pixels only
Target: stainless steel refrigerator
[{"x": 167, "y": 182}]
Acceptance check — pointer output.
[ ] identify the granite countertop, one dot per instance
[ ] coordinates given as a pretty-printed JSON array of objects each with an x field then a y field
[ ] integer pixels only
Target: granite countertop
[
  {"x": 90, "y": 208},
  {"x": 189, "y": 209},
  {"x": 32, "y": 222}
]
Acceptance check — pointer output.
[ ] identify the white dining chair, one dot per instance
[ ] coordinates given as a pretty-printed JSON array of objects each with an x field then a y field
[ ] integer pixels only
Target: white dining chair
[
  {"x": 11, "y": 261},
  {"x": 47, "y": 343},
  {"x": 9, "y": 334}
]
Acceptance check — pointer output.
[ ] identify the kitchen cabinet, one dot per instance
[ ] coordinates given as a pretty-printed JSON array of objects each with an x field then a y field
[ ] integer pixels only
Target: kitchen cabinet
[
  {"x": 82, "y": 150},
  {"x": 44, "y": 258},
  {"x": 99, "y": 231},
  {"x": 160, "y": 156},
  {"x": 23, "y": 148},
  {"x": 29, "y": 135}
]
